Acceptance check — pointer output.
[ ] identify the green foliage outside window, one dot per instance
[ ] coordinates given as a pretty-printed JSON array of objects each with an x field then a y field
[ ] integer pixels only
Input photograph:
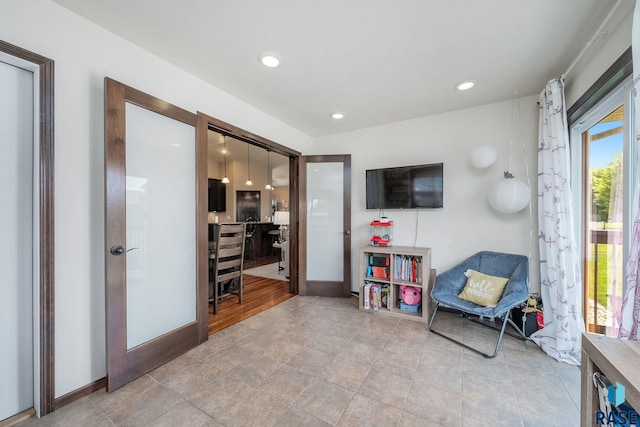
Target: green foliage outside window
[{"x": 602, "y": 181}]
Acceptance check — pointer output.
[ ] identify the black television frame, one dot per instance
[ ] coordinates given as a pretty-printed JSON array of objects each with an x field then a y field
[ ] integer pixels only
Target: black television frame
[{"x": 380, "y": 185}]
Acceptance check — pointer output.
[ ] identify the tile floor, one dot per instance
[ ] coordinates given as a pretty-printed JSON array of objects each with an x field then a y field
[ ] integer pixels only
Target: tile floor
[{"x": 321, "y": 362}]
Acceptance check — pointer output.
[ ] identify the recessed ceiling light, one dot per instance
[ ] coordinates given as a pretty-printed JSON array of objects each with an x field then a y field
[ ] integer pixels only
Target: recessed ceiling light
[
  {"x": 337, "y": 116},
  {"x": 465, "y": 85},
  {"x": 269, "y": 59}
]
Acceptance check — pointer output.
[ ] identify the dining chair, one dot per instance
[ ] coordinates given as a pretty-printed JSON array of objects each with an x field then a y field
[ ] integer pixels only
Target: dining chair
[{"x": 228, "y": 263}]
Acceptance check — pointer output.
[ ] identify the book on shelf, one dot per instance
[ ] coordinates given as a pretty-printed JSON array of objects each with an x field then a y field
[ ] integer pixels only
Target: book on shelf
[
  {"x": 385, "y": 299},
  {"x": 376, "y": 296},
  {"x": 408, "y": 268},
  {"x": 366, "y": 295}
]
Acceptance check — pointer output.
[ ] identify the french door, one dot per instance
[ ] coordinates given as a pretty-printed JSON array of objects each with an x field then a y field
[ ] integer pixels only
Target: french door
[
  {"x": 155, "y": 233},
  {"x": 325, "y": 225}
]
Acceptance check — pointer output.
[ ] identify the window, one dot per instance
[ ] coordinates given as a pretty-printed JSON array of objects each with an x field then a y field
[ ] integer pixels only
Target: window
[{"x": 603, "y": 178}]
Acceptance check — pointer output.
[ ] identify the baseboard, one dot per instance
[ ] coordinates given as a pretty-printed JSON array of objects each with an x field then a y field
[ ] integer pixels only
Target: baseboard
[
  {"x": 18, "y": 418},
  {"x": 72, "y": 396}
]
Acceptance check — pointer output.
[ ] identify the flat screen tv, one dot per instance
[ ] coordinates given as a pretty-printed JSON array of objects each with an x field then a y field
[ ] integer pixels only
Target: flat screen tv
[{"x": 405, "y": 187}]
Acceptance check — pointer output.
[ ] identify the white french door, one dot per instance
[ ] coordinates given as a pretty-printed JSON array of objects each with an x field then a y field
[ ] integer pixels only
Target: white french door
[
  {"x": 325, "y": 225},
  {"x": 155, "y": 233}
]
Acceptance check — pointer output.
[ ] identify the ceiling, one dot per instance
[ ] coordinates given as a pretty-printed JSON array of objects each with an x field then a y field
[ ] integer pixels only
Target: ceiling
[{"x": 376, "y": 61}]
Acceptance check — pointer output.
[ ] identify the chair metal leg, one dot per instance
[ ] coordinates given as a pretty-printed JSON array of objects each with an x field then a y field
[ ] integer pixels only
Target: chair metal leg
[
  {"x": 520, "y": 336},
  {"x": 505, "y": 320}
]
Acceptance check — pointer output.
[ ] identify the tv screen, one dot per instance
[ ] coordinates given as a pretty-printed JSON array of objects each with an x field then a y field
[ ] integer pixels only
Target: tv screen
[{"x": 405, "y": 187}]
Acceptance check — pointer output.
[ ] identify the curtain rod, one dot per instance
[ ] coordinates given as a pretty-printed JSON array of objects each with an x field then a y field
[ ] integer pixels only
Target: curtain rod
[{"x": 598, "y": 34}]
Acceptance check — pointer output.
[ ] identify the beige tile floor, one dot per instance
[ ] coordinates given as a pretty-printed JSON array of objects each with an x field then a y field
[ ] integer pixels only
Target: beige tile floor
[{"x": 314, "y": 361}]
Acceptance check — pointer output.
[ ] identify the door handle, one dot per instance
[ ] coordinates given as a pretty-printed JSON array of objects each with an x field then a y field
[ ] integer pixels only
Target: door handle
[
  {"x": 347, "y": 232},
  {"x": 119, "y": 250}
]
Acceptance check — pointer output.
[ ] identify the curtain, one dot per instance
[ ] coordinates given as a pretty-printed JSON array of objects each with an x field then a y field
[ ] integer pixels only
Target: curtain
[
  {"x": 615, "y": 247},
  {"x": 561, "y": 283},
  {"x": 631, "y": 301}
]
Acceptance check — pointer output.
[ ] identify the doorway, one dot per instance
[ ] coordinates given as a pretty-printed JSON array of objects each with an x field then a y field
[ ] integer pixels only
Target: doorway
[
  {"x": 16, "y": 252},
  {"x": 606, "y": 173},
  {"x": 325, "y": 224},
  {"x": 155, "y": 233},
  {"x": 26, "y": 127},
  {"x": 272, "y": 170}
]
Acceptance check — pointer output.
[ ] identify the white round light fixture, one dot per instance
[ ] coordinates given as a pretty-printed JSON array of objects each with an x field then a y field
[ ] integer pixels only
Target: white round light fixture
[
  {"x": 483, "y": 156},
  {"x": 465, "y": 85},
  {"x": 337, "y": 116},
  {"x": 509, "y": 195},
  {"x": 269, "y": 59}
]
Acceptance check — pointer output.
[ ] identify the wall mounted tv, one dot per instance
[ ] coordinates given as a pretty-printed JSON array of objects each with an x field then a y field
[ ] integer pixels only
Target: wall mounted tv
[{"x": 405, "y": 187}]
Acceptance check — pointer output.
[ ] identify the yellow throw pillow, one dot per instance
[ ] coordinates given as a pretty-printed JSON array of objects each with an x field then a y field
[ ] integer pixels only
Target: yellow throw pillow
[{"x": 482, "y": 289}]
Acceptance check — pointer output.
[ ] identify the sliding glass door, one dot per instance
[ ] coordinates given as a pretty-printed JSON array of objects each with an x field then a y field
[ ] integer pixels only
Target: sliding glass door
[{"x": 606, "y": 172}]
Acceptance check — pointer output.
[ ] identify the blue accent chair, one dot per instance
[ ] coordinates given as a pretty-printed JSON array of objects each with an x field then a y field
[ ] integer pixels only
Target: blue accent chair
[{"x": 450, "y": 283}]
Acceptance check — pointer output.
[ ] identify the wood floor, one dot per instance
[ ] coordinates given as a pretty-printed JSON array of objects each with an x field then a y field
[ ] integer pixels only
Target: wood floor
[{"x": 259, "y": 295}]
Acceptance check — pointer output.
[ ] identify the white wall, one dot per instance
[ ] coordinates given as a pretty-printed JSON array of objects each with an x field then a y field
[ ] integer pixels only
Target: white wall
[
  {"x": 467, "y": 223},
  {"x": 601, "y": 54},
  {"x": 84, "y": 54}
]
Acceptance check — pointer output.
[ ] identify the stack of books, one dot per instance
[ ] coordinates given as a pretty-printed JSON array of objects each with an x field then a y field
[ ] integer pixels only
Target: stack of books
[{"x": 376, "y": 296}]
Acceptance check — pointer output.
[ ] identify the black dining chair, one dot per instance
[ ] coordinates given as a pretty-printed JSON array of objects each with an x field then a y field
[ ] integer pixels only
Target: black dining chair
[{"x": 251, "y": 226}]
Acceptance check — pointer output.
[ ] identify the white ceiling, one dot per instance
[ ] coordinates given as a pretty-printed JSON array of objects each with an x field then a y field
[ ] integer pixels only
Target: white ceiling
[{"x": 377, "y": 61}]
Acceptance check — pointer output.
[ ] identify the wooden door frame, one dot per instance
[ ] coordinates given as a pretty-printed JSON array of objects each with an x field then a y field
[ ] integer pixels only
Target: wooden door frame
[
  {"x": 302, "y": 219},
  {"x": 206, "y": 123},
  {"x": 46, "y": 283},
  {"x": 147, "y": 356}
]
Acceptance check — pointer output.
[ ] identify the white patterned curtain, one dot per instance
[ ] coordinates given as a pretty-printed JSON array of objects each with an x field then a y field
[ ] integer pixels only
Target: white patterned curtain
[
  {"x": 561, "y": 283},
  {"x": 630, "y": 319}
]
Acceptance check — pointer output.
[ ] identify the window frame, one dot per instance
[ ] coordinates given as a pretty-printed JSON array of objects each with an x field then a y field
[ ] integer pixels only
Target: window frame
[{"x": 620, "y": 95}]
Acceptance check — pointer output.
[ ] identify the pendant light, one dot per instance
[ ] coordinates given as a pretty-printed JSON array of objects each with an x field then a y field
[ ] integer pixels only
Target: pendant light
[
  {"x": 268, "y": 186},
  {"x": 510, "y": 195},
  {"x": 483, "y": 156},
  {"x": 225, "y": 180},
  {"x": 249, "y": 182}
]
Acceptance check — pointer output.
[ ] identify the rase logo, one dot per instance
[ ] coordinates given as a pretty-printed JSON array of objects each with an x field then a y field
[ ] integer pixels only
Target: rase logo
[{"x": 616, "y": 414}]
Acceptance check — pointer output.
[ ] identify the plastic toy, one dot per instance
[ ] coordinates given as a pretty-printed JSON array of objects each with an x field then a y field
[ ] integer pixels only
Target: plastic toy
[
  {"x": 381, "y": 232},
  {"x": 410, "y": 295}
]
